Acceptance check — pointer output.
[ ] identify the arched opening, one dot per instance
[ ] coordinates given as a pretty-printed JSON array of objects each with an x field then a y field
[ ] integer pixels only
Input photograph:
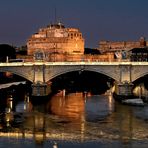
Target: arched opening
[
  {"x": 82, "y": 81},
  {"x": 141, "y": 87}
]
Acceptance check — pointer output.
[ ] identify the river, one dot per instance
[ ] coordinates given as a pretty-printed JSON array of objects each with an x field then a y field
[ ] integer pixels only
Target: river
[{"x": 74, "y": 120}]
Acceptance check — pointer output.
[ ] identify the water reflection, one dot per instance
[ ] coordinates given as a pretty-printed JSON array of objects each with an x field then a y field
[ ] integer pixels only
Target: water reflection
[
  {"x": 98, "y": 107},
  {"x": 74, "y": 117},
  {"x": 23, "y": 107},
  {"x": 71, "y": 106}
]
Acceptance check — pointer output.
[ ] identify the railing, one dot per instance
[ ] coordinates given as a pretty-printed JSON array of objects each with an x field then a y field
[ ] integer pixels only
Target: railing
[
  {"x": 74, "y": 58},
  {"x": 78, "y": 63}
]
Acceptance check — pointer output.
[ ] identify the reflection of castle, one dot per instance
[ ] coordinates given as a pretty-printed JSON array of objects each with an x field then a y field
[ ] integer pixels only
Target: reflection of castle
[{"x": 56, "y": 39}]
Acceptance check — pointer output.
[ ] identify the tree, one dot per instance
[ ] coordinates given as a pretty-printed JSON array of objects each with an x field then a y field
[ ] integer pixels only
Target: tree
[{"x": 7, "y": 51}]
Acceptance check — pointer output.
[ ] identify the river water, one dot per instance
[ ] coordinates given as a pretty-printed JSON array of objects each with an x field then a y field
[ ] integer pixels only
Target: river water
[{"x": 74, "y": 120}]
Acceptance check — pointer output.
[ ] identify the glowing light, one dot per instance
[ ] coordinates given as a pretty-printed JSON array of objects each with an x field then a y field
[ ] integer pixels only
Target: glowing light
[{"x": 110, "y": 102}]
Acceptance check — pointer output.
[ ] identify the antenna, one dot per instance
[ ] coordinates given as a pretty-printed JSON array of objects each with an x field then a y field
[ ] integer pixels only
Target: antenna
[
  {"x": 49, "y": 15},
  {"x": 55, "y": 16},
  {"x": 50, "y": 19}
]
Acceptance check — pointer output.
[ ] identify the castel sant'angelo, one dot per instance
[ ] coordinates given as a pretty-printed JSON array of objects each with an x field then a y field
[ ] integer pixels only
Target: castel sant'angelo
[{"x": 55, "y": 38}]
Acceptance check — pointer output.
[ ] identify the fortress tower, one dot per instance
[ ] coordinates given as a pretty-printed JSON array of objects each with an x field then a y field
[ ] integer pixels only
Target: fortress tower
[{"x": 55, "y": 38}]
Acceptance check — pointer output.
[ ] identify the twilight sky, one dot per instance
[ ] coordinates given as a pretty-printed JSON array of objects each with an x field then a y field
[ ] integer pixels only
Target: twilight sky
[{"x": 113, "y": 20}]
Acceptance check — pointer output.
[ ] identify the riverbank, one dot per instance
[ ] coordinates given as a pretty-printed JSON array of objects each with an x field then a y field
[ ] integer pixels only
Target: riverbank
[{"x": 6, "y": 85}]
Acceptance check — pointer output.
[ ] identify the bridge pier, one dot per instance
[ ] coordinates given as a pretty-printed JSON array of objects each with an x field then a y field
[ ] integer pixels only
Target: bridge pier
[
  {"x": 40, "y": 89},
  {"x": 39, "y": 86},
  {"x": 124, "y": 89}
]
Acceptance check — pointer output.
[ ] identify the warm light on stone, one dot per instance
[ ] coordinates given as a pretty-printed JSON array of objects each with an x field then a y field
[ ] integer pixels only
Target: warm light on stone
[{"x": 56, "y": 39}]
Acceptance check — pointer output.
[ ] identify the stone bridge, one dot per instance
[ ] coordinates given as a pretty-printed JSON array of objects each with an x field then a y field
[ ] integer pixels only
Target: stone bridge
[{"x": 40, "y": 73}]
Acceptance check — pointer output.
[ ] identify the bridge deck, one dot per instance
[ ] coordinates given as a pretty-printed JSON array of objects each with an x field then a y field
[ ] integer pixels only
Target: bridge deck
[{"x": 70, "y": 63}]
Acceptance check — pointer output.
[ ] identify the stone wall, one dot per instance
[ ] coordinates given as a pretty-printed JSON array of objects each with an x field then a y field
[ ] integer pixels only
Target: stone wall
[
  {"x": 71, "y": 57},
  {"x": 122, "y": 45}
]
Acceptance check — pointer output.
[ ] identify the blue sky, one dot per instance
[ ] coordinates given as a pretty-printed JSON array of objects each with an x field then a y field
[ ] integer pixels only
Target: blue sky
[{"x": 113, "y": 20}]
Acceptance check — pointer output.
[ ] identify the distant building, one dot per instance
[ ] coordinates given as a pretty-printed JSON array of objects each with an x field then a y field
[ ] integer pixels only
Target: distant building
[
  {"x": 122, "y": 49},
  {"x": 55, "y": 38},
  {"x": 105, "y": 46},
  {"x": 139, "y": 54}
]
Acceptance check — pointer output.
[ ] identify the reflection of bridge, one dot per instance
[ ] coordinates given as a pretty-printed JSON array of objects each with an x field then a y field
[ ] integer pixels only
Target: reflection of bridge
[{"x": 40, "y": 73}]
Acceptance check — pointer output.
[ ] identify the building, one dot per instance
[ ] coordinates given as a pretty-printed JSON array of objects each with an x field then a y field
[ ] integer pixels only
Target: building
[
  {"x": 139, "y": 54},
  {"x": 105, "y": 46},
  {"x": 56, "y": 39},
  {"x": 122, "y": 49}
]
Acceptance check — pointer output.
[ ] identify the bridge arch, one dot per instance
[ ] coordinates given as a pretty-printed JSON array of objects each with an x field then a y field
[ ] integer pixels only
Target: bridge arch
[
  {"x": 64, "y": 71},
  {"x": 23, "y": 75},
  {"x": 140, "y": 76},
  {"x": 106, "y": 73}
]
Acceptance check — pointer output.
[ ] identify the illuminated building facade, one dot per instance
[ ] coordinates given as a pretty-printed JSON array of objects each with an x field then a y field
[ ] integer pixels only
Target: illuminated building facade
[
  {"x": 122, "y": 45},
  {"x": 56, "y": 39}
]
